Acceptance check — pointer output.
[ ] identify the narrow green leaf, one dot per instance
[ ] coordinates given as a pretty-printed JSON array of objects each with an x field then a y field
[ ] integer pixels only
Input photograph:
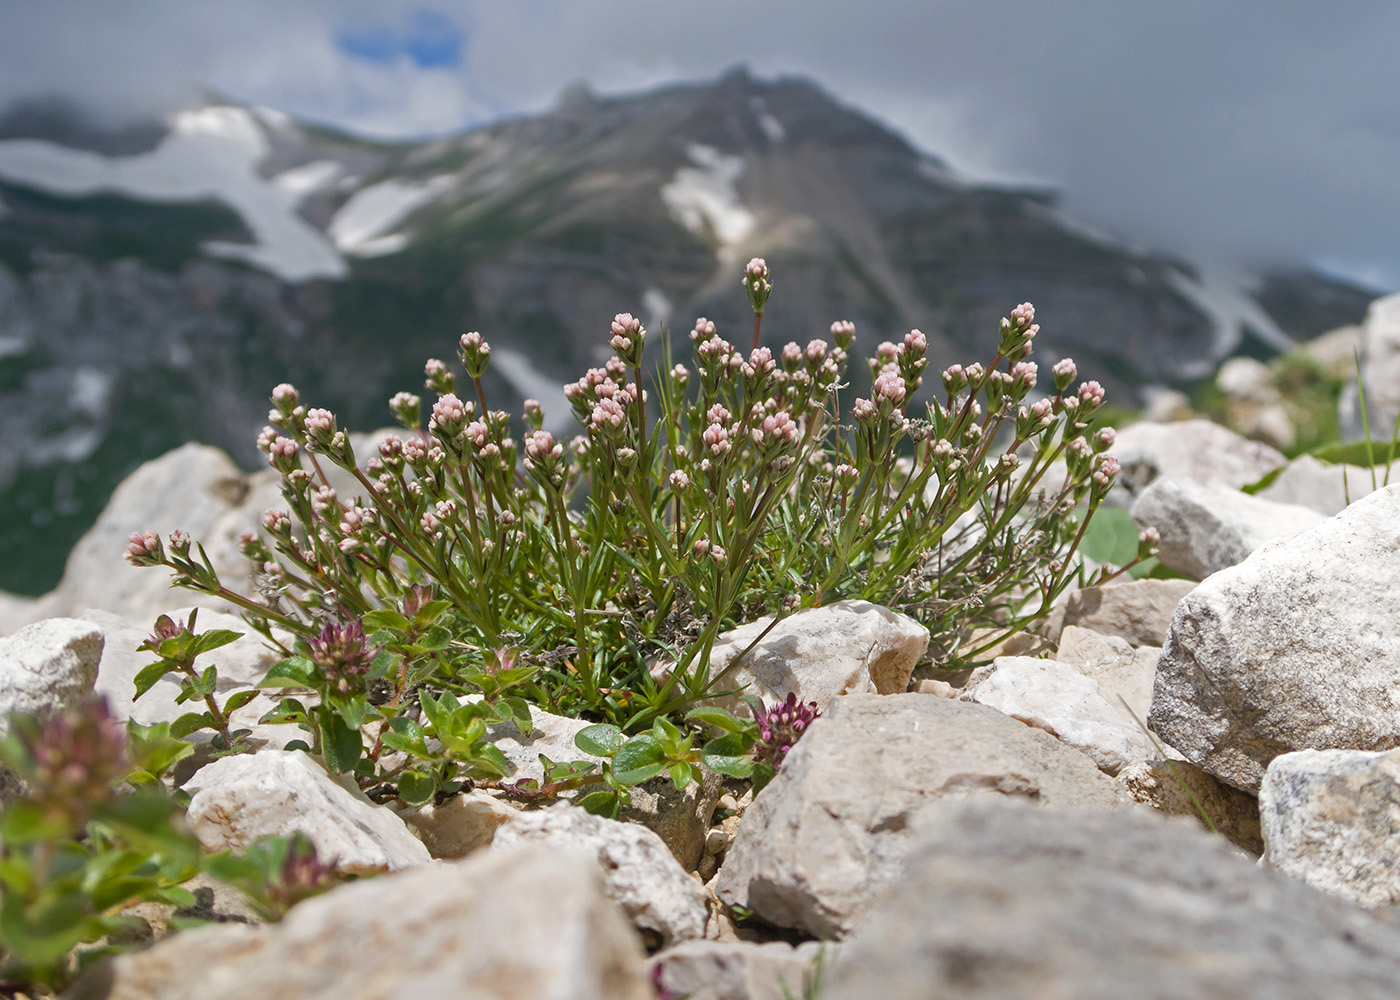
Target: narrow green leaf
[
  {"x": 238, "y": 699},
  {"x": 729, "y": 754},
  {"x": 717, "y": 717},
  {"x": 602, "y": 803},
  {"x": 190, "y": 722},
  {"x": 213, "y": 639}
]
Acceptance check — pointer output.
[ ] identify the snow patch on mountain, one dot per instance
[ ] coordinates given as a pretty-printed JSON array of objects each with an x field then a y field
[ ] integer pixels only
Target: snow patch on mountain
[
  {"x": 210, "y": 153},
  {"x": 361, "y": 225},
  {"x": 657, "y": 308},
  {"x": 772, "y": 128},
  {"x": 308, "y": 178},
  {"x": 703, "y": 197},
  {"x": 1226, "y": 302}
]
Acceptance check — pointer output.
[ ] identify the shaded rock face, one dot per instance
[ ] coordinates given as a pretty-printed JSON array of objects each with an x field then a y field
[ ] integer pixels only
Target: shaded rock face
[
  {"x": 1001, "y": 900},
  {"x": 833, "y": 827},
  {"x": 1139, "y": 611},
  {"x": 1332, "y": 819},
  {"x": 476, "y": 928},
  {"x": 1298, "y": 647},
  {"x": 1207, "y": 527},
  {"x": 1180, "y": 788}
]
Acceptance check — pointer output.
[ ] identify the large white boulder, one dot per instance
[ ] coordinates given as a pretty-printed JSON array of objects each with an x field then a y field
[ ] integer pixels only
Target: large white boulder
[
  {"x": 1191, "y": 449},
  {"x": 831, "y": 830},
  {"x": 1297, "y": 647}
]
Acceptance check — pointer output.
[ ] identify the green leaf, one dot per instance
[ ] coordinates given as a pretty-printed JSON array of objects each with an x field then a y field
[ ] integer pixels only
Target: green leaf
[
  {"x": 386, "y": 618},
  {"x": 438, "y": 711},
  {"x": 1111, "y": 537},
  {"x": 385, "y": 663},
  {"x": 729, "y": 754},
  {"x": 566, "y": 770},
  {"x": 288, "y": 710},
  {"x": 434, "y": 639},
  {"x": 213, "y": 639},
  {"x": 190, "y": 722},
  {"x": 147, "y": 676},
  {"x": 519, "y": 711},
  {"x": 601, "y": 740},
  {"x": 295, "y": 671},
  {"x": 639, "y": 759},
  {"x": 431, "y": 612},
  {"x": 238, "y": 699},
  {"x": 489, "y": 760},
  {"x": 717, "y": 717},
  {"x": 664, "y": 732},
  {"x": 341, "y": 744},
  {"x": 604, "y": 802},
  {"x": 416, "y": 789},
  {"x": 680, "y": 775}
]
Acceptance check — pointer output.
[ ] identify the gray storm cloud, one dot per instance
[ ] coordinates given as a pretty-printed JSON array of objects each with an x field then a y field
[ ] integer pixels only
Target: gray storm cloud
[{"x": 1251, "y": 132}]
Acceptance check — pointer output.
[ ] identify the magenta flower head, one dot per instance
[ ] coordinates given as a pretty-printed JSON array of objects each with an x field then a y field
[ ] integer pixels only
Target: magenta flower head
[
  {"x": 342, "y": 653},
  {"x": 780, "y": 727},
  {"x": 757, "y": 284},
  {"x": 71, "y": 761},
  {"x": 475, "y": 352}
]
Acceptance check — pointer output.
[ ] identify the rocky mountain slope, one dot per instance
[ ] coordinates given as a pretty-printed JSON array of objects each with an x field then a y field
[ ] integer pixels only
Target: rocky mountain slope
[{"x": 155, "y": 283}]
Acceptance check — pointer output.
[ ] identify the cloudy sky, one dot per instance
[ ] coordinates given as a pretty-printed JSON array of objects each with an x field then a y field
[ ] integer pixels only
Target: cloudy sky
[{"x": 1231, "y": 131}]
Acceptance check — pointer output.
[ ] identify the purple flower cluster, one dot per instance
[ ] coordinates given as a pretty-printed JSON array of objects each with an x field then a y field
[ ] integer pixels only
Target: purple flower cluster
[{"x": 780, "y": 726}]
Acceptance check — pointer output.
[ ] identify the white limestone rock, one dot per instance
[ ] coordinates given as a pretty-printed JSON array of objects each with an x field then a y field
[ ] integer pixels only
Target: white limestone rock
[
  {"x": 235, "y": 800},
  {"x": 637, "y": 867},
  {"x": 45, "y": 668},
  {"x": 1206, "y": 527},
  {"x": 1380, "y": 373},
  {"x": 739, "y": 970},
  {"x": 999, "y": 901},
  {"x": 850, "y": 647},
  {"x": 1332, "y": 819},
  {"x": 1190, "y": 449},
  {"x": 1136, "y": 610},
  {"x": 1296, "y": 648},
  {"x": 1066, "y": 704},
  {"x": 1125, "y": 675},
  {"x": 1327, "y": 489},
  {"x": 532, "y": 924},
  {"x": 551, "y": 735},
  {"x": 830, "y": 832}
]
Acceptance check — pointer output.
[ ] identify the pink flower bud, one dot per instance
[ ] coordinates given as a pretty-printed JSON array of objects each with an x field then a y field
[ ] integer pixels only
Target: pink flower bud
[{"x": 703, "y": 331}]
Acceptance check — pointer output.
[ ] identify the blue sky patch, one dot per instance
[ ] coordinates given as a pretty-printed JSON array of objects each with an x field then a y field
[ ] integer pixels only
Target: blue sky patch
[{"x": 429, "y": 39}]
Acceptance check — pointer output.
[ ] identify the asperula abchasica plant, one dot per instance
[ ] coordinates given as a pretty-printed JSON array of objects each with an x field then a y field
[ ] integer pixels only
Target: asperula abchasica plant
[{"x": 689, "y": 501}]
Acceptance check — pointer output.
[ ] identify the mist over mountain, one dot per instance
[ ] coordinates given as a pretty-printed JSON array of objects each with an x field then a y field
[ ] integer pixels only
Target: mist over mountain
[{"x": 157, "y": 280}]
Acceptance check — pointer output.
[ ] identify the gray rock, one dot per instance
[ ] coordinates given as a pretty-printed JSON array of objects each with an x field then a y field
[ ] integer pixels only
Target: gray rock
[
  {"x": 1296, "y": 648},
  {"x": 45, "y": 668},
  {"x": 1180, "y": 788},
  {"x": 1380, "y": 373},
  {"x": 638, "y": 869},
  {"x": 850, "y": 647},
  {"x": 1124, "y": 674},
  {"x": 1328, "y": 489},
  {"x": 532, "y": 924},
  {"x": 738, "y": 970},
  {"x": 832, "y": 828},
  {"x": 235, "y": 800},
  {"x": 1137, "y": 610},
  {"x": 999, "y": 901},
  {"x": 1066, "y": 704},
  {"x": 1191, "y": 449},
  {"x": 680, "y": 818},
  {"x": 1332, "y": 819},
  {"x": 1207, "y": 527}
]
